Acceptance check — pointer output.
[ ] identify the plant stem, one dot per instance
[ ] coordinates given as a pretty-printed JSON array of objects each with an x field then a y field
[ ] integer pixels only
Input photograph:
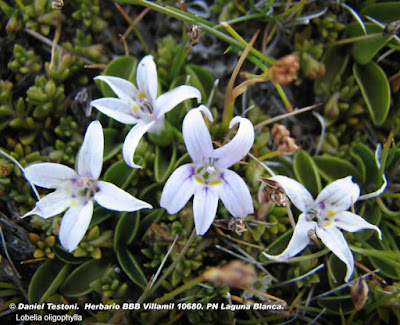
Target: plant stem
[{"x": 173, "y": 264}]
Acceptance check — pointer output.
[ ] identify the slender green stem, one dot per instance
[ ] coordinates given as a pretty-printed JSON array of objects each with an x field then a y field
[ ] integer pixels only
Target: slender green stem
[
  {"x": 173, "y": 264},
  {"x": 354, "y": 39},
  {"x": 202, "y": 23},
  {"x": 179, "y": 290}
]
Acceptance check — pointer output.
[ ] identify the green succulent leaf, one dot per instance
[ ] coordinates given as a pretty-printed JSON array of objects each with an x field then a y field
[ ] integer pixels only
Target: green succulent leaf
[
  {"x": 153, "y": 217},
  {"x": 375, "y": 89},
  {"x": 127, "y": 227},
  {"x": 201, "y": 79},
  {"x": 335, "y": 61},
  {"x": 120, "y": 174},
  {"x": 78, "y": 282},
  {"x": 164, "y": 165},
  {"x": 337, "y": 304},
  {"x": 364, "y": 50},
  {"x": 68, "y": 258},
  {"x": 46, "y": 280},
  {"x": 333, "y": 168},
  {"x": 306, "y": 172},
  {"x": 385, "y": 12},
  {"x": 131, "y": 267},
  {"x": 123, "y": 67},
  {"x": 366, "y": 162}
]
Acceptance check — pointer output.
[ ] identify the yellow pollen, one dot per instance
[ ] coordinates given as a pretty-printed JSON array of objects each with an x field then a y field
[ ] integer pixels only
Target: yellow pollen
[
  {"x": 135, "y": 108},
  {"x": 328, "y": 223},
  {"x": 199, "y": 179},
  {"x": 331, "y": 213},
  {"x": 215, "y": 182}
]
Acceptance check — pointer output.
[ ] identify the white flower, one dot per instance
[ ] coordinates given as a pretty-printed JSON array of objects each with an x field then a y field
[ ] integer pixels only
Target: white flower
[
  {"x": 208, "y": 177},
  {"x": 324, "y": 216},
  {"x": 76, "y": 191},
  {"x": 141, "y": 106}
]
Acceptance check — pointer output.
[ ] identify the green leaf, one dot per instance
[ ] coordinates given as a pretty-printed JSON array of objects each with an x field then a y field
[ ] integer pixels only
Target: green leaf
[
  {"x": 46, "y": 280},
  {"x": 165, "y": 137},
  {"x": 335, "y": 61},
  {"x": 120, "y": 174},
  {"x": 111, "y": 147},
  {"x": 201, "y": 79},
  {"x": 375, "y": 89},
  {"x": 78, "y": 282},
  {"x": 338, "y": 269},
  {"x": 279, "y": 245},
  {"x": 123, "y": 67},
  {"x": 372, "y": 215},
  {"x": 131, "y": 267},
  {"x": 153, "y": 217},
  {"x": 364, "y": 50},
  {"x": 337, "y": 304},
  {"x": 387, "y": 261},
  {"x": 385, "y": 12},
  {"x": 366, "y": 161},
  {"x": 68, "y": 258},
  {"x": 306, "y": 172},
  {"x": 164, "y": 165},
  {"x": 333, "y": 168},
  {"x": 99, "y": 215},
  {"x": 127, "y": 227}
]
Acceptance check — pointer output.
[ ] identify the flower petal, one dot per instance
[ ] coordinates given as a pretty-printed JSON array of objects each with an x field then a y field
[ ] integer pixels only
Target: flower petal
[
  {"x": 296, "y": 192},
  {"x": 165, "y": 102},
  {"x": 178, "y": 189},
  {"x": 239, "y": 146},
  {"x": 124, "y": 89},
  {"x": 74, "y": 225},
  {"x": 339, "y": 195},
  {"x": 90, "y": 156},
  {"x": 299, "y": 240},
  {"x": 132, "y": 141},
  {"x": 235, "y": 195},
  {"x": 50, "y": 205},
  {"x": 147, "y": 77},
  {"x": 195, "y": 133},
  {"x": 352, "y": 222},
  {"x": 205, "y": 206},
  {"x": 112, "y": 197},
  {"x": 116, "y": 108},
  {"x": 49, "y": 175},
  {"x": 335, "y": 241}
]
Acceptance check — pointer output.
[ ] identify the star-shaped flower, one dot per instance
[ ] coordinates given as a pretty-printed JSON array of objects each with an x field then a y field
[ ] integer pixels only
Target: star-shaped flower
[
  {"x": 208, "y": 177},
  {"x": 324, "y": 216},
  {"x": 141, "y": 106},
  {"x": 76, "y": 191}
]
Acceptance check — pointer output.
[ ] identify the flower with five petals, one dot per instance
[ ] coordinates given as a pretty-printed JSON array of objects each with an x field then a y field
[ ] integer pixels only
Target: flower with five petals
[
  {"x": 141, "y": 106},
  {"x": 324, "y": 215},
  {"x": 76, "y": 191},
  {"x": 208, "y": 177}
]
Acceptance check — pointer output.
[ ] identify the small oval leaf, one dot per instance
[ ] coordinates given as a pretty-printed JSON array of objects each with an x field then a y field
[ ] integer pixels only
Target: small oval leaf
[
  {"x": 375, "y": 89},
  {"x": 78, "y": 282},
  {"x": 123, "y": 67},
  {"x": 306, "y": 172},
  {"x": 164, "y": 166},
  {"x": 46, "y": 280},
  {"x": 127, "y": 227},
  {"x": 333, "y": 168},
  {"x": 119, "y": 174},
  {"x": 131, "y": 267},
  {"x": 366, "y": 159}
]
